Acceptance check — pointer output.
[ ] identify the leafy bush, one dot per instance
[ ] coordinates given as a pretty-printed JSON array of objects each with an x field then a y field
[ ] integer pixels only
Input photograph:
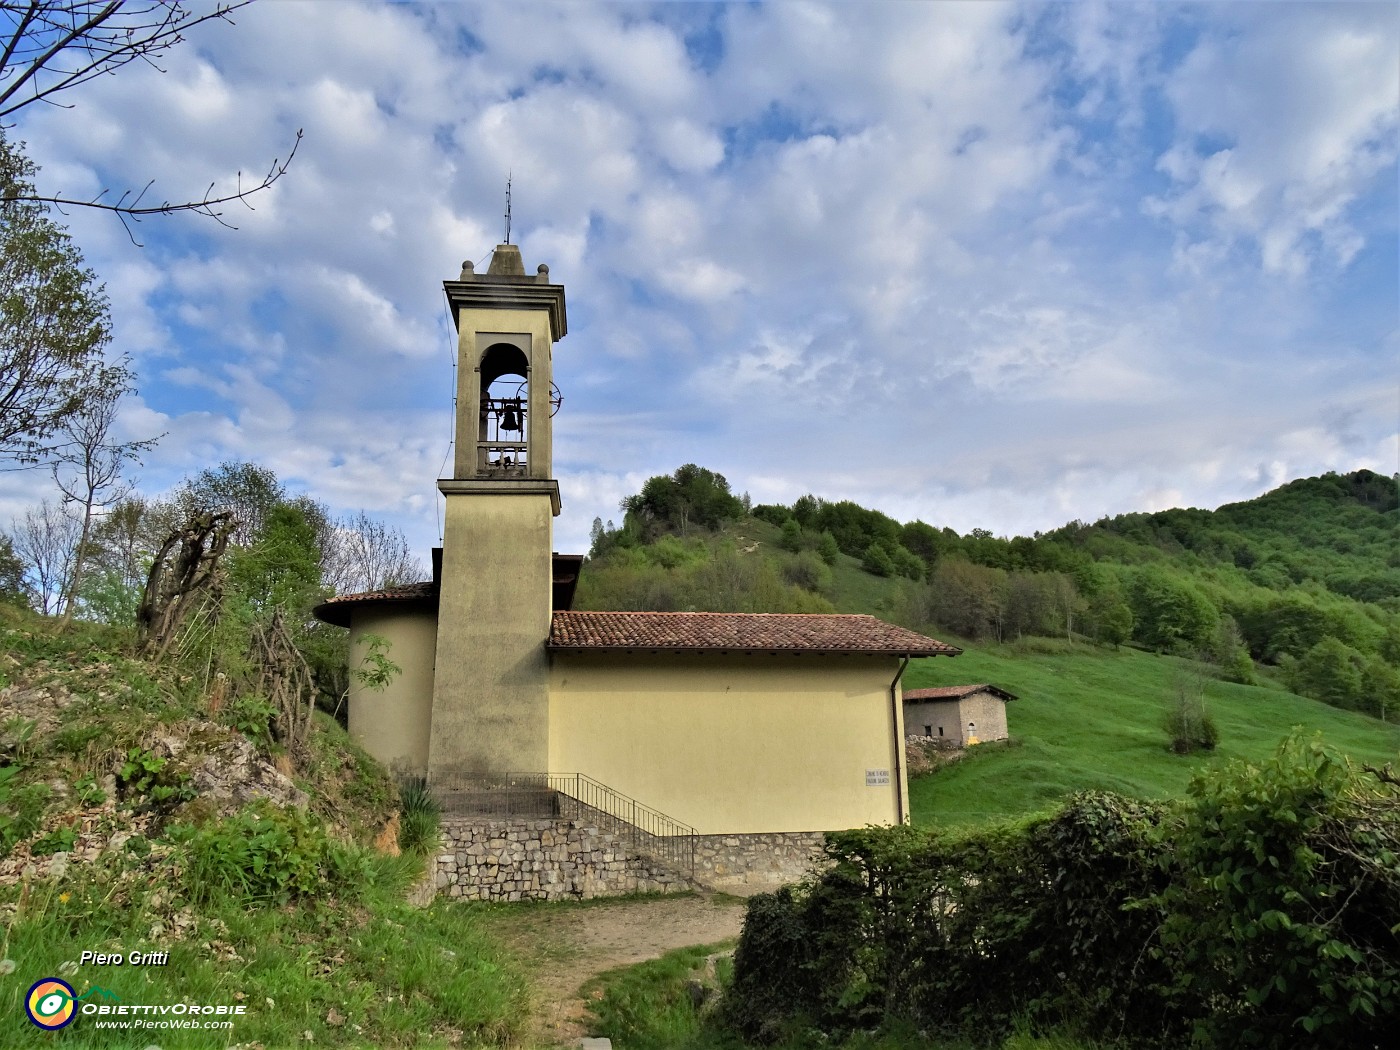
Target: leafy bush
[
  {"x": 808, "y": 571},
  {"x": 1283, "y": 905},
  {"x": 266, "y": 855},
  {"x": 147, "y": 776},
  {"x": 1261, "y": 912},
  {"x": 252, "y": 716},
  {"x": 773, "y": 982},
  {"x": 1188, "y": 723},
  {"x": 962, "y": 934}
]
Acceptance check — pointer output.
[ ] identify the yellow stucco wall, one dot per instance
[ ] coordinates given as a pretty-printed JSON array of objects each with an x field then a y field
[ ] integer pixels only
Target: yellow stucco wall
[
  {"x": 392, "y": 723},
  {"x": 491, "y": 694},
  {"x": 736, "y": 743}
]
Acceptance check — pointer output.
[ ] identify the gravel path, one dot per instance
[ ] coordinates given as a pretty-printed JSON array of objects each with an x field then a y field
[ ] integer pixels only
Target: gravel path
[{"x": 567, "y": 947}]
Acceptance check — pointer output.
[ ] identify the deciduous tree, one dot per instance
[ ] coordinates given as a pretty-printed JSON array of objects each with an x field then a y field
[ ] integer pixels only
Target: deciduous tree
[
  {"x": 46, "y": 540},
  {"x": 54, "y": 324},
  {"x": 90, "y": 466},
  {"x": 362, "y": 554}
]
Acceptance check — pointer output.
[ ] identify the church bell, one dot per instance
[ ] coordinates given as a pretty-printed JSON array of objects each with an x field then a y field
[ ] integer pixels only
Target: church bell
[{"x": 510, "y": 419}]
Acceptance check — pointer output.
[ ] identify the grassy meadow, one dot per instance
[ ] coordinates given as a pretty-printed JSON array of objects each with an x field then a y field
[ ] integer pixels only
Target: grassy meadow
[{"x": 1092, "y": 717}]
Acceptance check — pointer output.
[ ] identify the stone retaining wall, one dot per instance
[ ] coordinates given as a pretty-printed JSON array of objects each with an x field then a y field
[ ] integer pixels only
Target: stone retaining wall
[
  {"x": 564, "y": 859},
  {"x": 543, "y": 859},
  {"x": 756, "y": 862}
]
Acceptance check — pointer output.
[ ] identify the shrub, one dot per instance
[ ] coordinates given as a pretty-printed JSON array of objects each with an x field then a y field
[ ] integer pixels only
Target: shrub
[
  {"x": 807, "y": 571},
  {"x": 877, "y": 560},
  {"x": 1188, "y": 723},
  {"x": 420, "y": 817},
  {"x": 1034, "y": 923},
  {"x": 1282, "y": 906},
  {"x": 791, "y": 539},
  {"x": 252, "y": 716},
  {"x": 771, "y": 983}
]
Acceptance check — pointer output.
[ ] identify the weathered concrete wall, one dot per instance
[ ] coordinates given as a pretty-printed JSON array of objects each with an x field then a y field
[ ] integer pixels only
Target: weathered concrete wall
[
  {"x": 491, "y": 688},
  {"x": 988, "y": 713},
  {"x": 393, "y": 723},
  {"x": 734, "y": 743},
  {"x": 939, "y": 719}
]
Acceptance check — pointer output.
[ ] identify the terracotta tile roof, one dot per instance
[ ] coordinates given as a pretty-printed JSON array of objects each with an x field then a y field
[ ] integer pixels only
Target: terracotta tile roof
[
  {"x": 337, "y": 610},
  {"x": 793, "y": 632},
  {"x": 955, "y": 692}
]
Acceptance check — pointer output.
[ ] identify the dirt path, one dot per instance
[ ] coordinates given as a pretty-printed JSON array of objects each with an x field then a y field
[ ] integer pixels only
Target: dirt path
[{"x": 567, "y": 947}]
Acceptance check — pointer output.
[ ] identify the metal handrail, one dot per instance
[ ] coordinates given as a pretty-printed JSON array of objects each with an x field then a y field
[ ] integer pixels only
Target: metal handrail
[{"x": 647, "y": 831}]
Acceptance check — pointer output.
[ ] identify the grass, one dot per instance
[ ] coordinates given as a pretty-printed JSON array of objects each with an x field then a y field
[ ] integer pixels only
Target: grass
[
  {"x": 373, "y": 973},
  {"x": 1089, "y": 717},
  {"x": 346, "y": 964}
]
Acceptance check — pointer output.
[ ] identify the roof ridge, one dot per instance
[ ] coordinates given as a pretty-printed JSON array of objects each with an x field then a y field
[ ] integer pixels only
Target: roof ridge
[{"x": 694, "y": 612}]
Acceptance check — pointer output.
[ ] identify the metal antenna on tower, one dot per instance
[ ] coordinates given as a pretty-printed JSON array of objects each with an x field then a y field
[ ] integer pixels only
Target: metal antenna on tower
[{"x": 508, "y": 180}]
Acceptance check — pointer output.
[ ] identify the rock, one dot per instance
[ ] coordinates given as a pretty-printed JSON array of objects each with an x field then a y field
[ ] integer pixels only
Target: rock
[
  {"x": 387, "y": 841},
  {"x": 422, "y": 894},
  {"x": 232, "y": 774}
]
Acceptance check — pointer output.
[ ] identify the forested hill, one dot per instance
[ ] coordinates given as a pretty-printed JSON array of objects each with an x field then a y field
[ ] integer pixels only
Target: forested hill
[
  {"x": 1340, "y": 531},
  {"x": 1302, "y": 583}
]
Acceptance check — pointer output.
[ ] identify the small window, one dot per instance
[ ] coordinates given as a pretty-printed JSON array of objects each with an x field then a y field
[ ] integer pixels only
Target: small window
[
  {"x": 928, "y": 730},
  {"x": 940, "y": 730}
]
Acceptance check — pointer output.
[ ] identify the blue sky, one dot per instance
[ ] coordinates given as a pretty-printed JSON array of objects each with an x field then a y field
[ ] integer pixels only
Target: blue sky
[{"x": 986, "y": 265}]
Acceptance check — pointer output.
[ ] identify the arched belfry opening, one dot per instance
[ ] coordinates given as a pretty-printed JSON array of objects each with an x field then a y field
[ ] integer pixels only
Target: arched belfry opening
[{"x": 503, "y": 433}]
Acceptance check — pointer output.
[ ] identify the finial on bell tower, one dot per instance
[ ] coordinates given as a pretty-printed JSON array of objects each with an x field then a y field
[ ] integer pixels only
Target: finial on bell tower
[{"x": 508, "y": 181}]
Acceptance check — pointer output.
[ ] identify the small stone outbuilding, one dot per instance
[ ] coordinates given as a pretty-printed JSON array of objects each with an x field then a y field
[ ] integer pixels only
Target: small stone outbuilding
[{"x": 961, "y": 714}]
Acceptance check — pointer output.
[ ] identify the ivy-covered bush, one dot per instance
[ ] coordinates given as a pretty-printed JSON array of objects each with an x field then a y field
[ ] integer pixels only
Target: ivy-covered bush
[
  {"x": 1264, "y": 910},
  {"x": 962, "y": 933},
  {"x": 1283, "y": 908}
]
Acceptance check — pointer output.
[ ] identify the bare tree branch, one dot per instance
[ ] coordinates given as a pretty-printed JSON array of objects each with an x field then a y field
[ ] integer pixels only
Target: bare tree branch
[
  {"x": 50, "y": 46},
  {"x": 54, "y": 45},
  {"x": 130, "y": 209}
]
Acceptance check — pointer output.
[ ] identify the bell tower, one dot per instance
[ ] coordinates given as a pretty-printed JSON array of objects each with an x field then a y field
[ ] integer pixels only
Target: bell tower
[{"x": 491, "y": 685}]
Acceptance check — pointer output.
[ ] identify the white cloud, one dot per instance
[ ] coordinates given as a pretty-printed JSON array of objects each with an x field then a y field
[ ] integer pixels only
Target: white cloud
[
  {"x": 1282, "y": 125},
  {"x": 986, "y": 265}
]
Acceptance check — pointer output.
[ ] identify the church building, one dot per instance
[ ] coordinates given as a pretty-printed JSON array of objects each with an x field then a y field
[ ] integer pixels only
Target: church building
[{"x": 731, "y": 724}]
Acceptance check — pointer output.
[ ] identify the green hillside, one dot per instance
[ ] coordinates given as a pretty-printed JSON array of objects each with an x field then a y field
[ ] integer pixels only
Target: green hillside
[
  {"x": 1089, "y": 717},
  {"x": 1091, "y": 624}
]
